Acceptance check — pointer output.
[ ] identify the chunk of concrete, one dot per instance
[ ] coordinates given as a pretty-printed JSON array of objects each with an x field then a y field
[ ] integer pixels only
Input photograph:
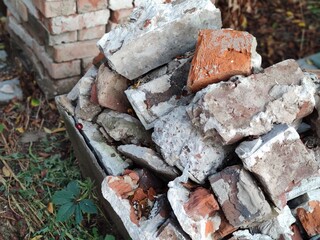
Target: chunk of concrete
[
  {"x": 85, "y": 109},
  {"x": 197, "y": 212},
  {"x": 148, "y": 158},
  {"x": 107, "y": 154},
  {"x": 246, "y": 235},
  {"x": 242, "y": 201},
  {"x": 172, "y": 26},
  {"x": 123, "y": 127},
  {"x": 159, "y": 96},
  {"x": 9, "y": 90},
  {"x": 183, "y": 146},
  {"x": 140, "y": 211},
  {"x": 221, "y": 54},
  {"x": 227, "y": 108},
  {"x": 110, "y": 90},
  {"x": 306, "y": 185},
  {"x": 280, "y": 162},
  {"x": 83, "y": 86},
  {"x": 279, "y": 226},
  {"x": 65, "y": 103}
]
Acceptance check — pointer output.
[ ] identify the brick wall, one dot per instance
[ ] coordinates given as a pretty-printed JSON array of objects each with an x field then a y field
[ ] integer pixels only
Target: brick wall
[{"x": 59, "y": 36}]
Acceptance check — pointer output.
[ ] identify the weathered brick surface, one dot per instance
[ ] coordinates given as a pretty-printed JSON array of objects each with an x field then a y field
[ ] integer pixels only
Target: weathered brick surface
[
  {"x": 309, "y": 216},
  {"x": 279, "y": 160},
  {"x": 120, "y": 16},
  {"x": 184, "y": 19},
  {"x": 56, "y": 70},
  {"x": 55, "y": 8},
  {"x": 91, "y": 33},
  {"x": 242, "y": 201},
  {"x": 227, "y": 107},
  {"x": 76, "y": 50},
  {"x": 62, "y": 24},
  {"x": 91, "y": 5},
  {"x": 221, "y": 54},
  {"x": 111, "y": 86}
]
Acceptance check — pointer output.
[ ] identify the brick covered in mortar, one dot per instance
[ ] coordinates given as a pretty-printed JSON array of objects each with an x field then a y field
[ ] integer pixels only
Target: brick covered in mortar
[
  {"x": 227, "y": 108},
  {"x": 175, "y": 33},
  {"x": 55, "y": 8},
  {"x": 279, "y": 160},
  {"x": 60, "y": 24},
  {"x": 221, "y": 54},
  {"x": 242, "y": 201},
  {"x": 91, "y": 5}
]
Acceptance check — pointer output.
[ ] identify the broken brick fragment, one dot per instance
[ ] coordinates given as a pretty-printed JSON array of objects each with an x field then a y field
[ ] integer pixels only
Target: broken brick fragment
[
  {"x": 240, "y": 198},
  {"x": 221, "y": 54},
  {"x": 309, "y": 217},
  {"x": 201, "y": 202}
]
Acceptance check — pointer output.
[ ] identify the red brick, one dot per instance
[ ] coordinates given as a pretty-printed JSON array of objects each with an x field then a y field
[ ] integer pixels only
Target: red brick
[
  {"x": 120, "y": 16},
  {"x": 55, "y": 70},
  {"x": 91, "y": 5},
  {"x": 55, "y": 8},
  {"x": 201, "y": 202},
  {"x": 310, "y": 217},
  {"x": 76, "y": 50},
  {"x": 111, "y": 86},
  {"x": 91, "y": 33},
  {"x": 62, "y": 24},
  {"x": 220, "y": 54}
]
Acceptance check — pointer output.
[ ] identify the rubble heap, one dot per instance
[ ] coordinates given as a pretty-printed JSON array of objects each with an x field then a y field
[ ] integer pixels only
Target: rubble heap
[{"x": 197, "y": 140}]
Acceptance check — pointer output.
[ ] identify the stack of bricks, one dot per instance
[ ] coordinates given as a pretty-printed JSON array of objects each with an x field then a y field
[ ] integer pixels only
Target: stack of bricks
[{"x": 59, "y": 36}]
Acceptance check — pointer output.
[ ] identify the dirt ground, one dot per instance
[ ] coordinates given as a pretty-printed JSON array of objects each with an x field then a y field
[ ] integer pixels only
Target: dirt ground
[{"x": 283, "y": 28}]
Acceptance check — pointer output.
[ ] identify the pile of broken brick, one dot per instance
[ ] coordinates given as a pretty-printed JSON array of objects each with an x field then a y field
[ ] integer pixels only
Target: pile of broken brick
[{"x": 198, "y": 141}]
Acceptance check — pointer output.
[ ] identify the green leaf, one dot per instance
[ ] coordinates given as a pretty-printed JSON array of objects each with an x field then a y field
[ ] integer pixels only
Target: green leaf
[
  {"x": 79, "y": 217},
  {"x": 66, "y": 211},
  {"x": 62, "y": 197},
  {"x": 35, "y": 102},
  {"x": 1, "y": 127},
  {"x": 73, "y": 188},
  {"x": 109, "y": 237},
  {"x": 87, "y": 206}
]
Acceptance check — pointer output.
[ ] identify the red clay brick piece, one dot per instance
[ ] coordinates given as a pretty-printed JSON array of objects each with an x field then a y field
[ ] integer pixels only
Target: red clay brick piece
[
  {"x": 310, "y": 219},
  {"x": 220, "y": 54}
]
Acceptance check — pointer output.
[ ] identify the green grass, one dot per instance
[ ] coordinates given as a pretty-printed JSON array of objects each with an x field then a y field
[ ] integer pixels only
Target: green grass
[{"x": 32, "y": 178}]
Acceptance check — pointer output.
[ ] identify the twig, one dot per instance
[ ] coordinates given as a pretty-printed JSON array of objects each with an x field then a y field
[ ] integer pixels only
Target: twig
[
  {"x": 12, "y": 173},
  {"x": 25, "y": 218}
]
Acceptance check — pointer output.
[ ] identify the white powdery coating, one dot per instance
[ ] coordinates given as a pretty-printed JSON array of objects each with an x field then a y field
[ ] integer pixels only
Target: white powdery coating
[
  {"x": 174, "y": 26},
  {"x": 305, "y": 186},
  {"x": 181, "y": 145},
  {"x": 279, "y": 105},
  {"x": 279, "y": 134},
  {"x": 178, "y": 196},
  {"x": 146, "y": 230},
  {"x": 245, "y": 234},
  {"x": 280, "y": 225}
]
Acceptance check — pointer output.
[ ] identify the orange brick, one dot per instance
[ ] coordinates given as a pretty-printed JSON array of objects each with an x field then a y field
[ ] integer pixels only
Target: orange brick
[
  {"x": 91, "y": 33},
  {"x": 220, "y": 54},
  {"x": 120, "y": 16},
  {"x": 310, "y": 218},
  {"x": 76, "y": 50},
  {"x": 91, "y": 5},
  {"x": 55, "y": 8}
]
